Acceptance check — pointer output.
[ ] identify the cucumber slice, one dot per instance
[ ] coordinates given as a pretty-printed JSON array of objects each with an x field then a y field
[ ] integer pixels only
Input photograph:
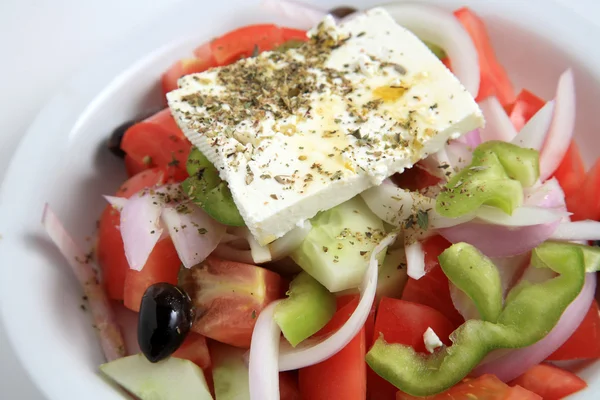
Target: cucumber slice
[
  {"x": 307, "y": 309},
  {"x": 337, "y": 249},
  {"x": 170, "y": 379},
  {"x": 392, "y": 275},
  {"x": 230, "y": 372}
]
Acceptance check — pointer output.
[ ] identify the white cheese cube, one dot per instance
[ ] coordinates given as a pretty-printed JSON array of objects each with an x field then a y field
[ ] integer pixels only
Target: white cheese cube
[
  {"x": 298, "y": 132},
  {"x": 432, "y": 341}
]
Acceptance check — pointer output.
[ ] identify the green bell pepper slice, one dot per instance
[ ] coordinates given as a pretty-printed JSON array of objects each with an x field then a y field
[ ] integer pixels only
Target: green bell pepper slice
[
  {"x": 531, "y": 310},
  {"x": 477, "y": 276},
  {"x": 205, "y": 187},
  {"x": 495, "y": 177}
]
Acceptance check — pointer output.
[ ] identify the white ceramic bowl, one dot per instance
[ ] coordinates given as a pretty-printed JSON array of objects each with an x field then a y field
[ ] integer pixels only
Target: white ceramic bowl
[{"x": 62, "y": 160}]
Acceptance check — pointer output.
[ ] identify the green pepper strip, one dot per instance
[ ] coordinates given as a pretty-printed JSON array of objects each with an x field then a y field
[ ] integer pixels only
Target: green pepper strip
[
  {"x": 530, "y": 312},
  {"x": 495, "y": 177},
  {"x": 477, "y": 276},
  {"x": 209, "y": 191}
]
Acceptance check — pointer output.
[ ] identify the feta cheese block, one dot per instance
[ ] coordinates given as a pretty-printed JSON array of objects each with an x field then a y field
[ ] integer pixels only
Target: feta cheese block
[{"x": 297, "y": 132}]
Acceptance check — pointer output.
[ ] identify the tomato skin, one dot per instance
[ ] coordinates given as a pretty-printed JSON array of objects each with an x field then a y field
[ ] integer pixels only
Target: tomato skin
[
  {"x": 405, "y": 323},
  {"x": 293, "y": 34},
  {"x": 109, "y": 248},
  {"x": 243, "y": 42},
  {"x": 133, "y": 167},
  {"x": 228, "y": 296},
  {"x": 415, "y": 179},
  {"x": 433, "y": 289},
  {"x": 288, "y": 386},
  {"x": 584, "y": 343},
  {"x": 550, "y": 382},
  {"x": 158, "y": 142},
  {"x": 486, "y": 387},
  {"x": 494, "y": 79},
  {"x": 571, "y": 173},
  {"x": 585, "y": 202},
  {"x": 344, "y": 374},
  {"x": 525, "y": 106},
  {"x": 162, "y": 266},
  {"x": 195, "y": 349},
  {"x": 185, "y": 66}
]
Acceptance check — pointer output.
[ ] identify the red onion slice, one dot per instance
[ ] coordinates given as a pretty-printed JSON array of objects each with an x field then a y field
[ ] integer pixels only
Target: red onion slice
[
  {"x": 109, "y": 333},
  {"x": 140, "y": 227},
  {"x": 499, "y": 241},
  {"x": 194, "y": 233},
  {"x": 117, "y": 202},
  {"x": 498, "y": 125},
  {"x": 259, "y": 254},
  {"x": 549, "y": 195},
  {"x": 579, "y": 230},
  {"x": 315, "y": 352},
  {"x": 473, "y": 138},
  {"x": 394, "y": 205},
  {"x": 562, "y": 126},
  {"x": 533, "y": 134},
  {"x": 441, "y": 28},
  {"x": 511, "y": 269},
  {"x": 459, "y": 155},
  {"x": 515, "y": 362},
  {"x": 463, "y": 303},
  {"x": 264, "y": 355},
  {"x": 283, "y": 246},
  {"x": 521, "y": 216}
]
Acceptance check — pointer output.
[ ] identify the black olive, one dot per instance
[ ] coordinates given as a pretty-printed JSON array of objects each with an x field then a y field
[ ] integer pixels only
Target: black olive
[
  {"x": 342, "y": 11},
  {"x": 164, "y": 321},
  {"x": 114, "y": 143}
]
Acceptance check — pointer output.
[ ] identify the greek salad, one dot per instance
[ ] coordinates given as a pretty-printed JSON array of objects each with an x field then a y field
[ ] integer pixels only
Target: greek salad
[{"x": 364, "y": 210}]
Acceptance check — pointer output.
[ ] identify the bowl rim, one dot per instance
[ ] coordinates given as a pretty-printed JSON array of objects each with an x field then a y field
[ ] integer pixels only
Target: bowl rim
[{"x": 117, "y": 63}]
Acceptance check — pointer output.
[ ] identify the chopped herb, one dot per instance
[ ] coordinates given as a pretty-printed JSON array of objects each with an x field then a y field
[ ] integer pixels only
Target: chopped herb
[
  {"x": 202, "y": 231},
  {"x": 423, "y": 219}
]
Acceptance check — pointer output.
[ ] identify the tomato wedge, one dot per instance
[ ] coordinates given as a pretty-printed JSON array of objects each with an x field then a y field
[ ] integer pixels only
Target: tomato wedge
[
  {"x": 252, "y": 39},
  {"x": 550, "y": 382},
  {"x": 158, "y": 142},
  {"x": 133, "y": 167},
  {"x": 343, "y": 376},
  {"x": 109, "y": 249},
  {"x": 405, "y": 323},
  {"x": 162, "y": 266},
  {"x": 195, "y": 349},
  {"x": 585, "y": 202},
  {"x": 525, "y": 106},
  {"x": 494, "y": 79},
  {"x": 585, "y": 342},
  {"x": 288, "y": 386},
  {"x": 415, "y": 179},
  {"x": 433, "y": 289},
  {"x": 486, "y": 387},
  {"x": 228, "y": 296},
  {"x": 185, "y": 66},
  {"x": 571, "y": 174}
]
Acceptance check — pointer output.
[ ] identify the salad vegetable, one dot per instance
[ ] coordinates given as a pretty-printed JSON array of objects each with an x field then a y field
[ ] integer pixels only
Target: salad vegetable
[
  {"x": 304, "y": 221},
  {"x": 531, "y": 310}
]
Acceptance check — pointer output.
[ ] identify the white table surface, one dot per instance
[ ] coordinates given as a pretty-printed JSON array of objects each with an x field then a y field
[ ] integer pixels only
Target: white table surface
[{"x": 43, "y": 42}]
